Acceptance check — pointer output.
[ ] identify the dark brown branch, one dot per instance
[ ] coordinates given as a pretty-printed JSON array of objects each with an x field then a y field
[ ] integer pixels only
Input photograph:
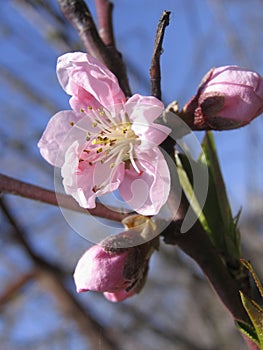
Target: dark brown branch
[
  {"x": 20, "y": 188},
  {"x": 155, "y": 71},
  {"x": 104, "y": 13},
  {"x": 54, "y": 281},
  {"x": 198, "y": 246},
  {"x": 78, "y": 14}
]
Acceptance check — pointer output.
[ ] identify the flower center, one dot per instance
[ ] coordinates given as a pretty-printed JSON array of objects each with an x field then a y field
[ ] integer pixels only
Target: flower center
[{"x": 112, "y": 140}]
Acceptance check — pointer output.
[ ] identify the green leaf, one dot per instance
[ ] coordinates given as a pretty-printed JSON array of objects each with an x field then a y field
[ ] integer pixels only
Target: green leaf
[
  {"x": 248, "y": 330},
  {"x": 217, "y": 210},
  {"x": 185, "y": 178},
  {"x": 255, "y": 313},
  {"x": 255, "y": 277}
]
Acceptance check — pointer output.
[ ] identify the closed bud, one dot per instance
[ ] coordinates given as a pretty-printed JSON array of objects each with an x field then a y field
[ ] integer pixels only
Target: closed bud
[
  {"x": 114, "y": 270},
  {"x": 228, "y": 97}
]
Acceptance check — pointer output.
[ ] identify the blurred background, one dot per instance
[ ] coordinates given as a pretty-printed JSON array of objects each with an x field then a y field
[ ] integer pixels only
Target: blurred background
[{"x": 177, "y": 309}]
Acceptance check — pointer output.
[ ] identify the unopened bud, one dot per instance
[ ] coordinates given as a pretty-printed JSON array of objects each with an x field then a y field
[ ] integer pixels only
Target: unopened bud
[{"x": 228, "y": 97}]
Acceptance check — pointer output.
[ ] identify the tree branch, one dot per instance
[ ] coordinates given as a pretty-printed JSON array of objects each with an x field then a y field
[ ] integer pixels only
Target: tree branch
[
  {"x": 155, "y": 70},
  {"x": 198, "y": 246},
  {"x": 20, "y": 188},
  {"x": 78, "y": 14},
  {"x": 104, "y": 13}
]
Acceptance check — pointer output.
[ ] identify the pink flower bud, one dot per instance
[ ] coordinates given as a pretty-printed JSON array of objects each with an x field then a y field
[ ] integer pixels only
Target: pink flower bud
[
  {"x": 117, "y": 272},
  {"x": 228, "y": 97},
  {"x": 101, "y": 271}
]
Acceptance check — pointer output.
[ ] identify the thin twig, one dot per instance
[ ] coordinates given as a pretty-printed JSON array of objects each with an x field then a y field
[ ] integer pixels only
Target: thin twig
[
  {"x": 155, "y": 71},
  {"x": 104, "y": 13},
  {"x": 78, "y": 14},
  {"x": 23, "y": 189}
]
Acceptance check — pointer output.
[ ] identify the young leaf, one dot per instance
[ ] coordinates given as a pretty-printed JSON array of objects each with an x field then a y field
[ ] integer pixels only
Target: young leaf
[
  {"x": 255, "y": 277},
  {"x": 185, "y": 178},
  {"x": 255, "y": 313},
  {"x": 217, "y": 209},
  {"x": 248, "y": 331}
]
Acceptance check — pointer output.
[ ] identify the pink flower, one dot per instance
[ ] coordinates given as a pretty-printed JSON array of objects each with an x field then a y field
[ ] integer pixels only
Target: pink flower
[
  {"x": 106, "y": 142},
  {"x": 119, "y": 274},
  {"x": 228, "y": 97}
]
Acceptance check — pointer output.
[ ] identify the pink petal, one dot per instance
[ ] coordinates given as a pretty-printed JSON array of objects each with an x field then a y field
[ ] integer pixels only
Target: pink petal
[
  {"x": 148, "y": 191},
  {"x": 100, "y": 271},
  {"x": 86, "y": 78},
  {"x": 82, "y": 180},
  {"x": 142, "y": 111},
  {"x": 119, "y": 296},
  {"x": 58, "y": 136},
  {"x": 150, "y": 135}
]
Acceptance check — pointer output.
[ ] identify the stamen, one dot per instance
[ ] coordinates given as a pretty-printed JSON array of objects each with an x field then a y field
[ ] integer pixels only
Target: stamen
[
  {"x": 132, "y": 159},
  {"x": 111, "y": 142}
]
